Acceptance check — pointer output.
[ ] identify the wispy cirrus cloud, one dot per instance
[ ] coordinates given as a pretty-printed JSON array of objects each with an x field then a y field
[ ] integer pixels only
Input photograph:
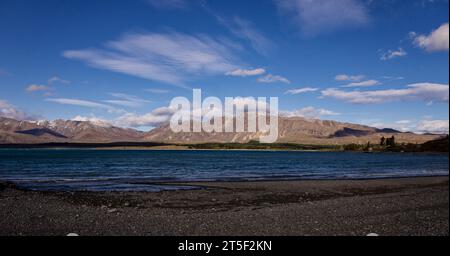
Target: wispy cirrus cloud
[
  {"x": 437, "y": 40},
  {"x": 171, "y": 58},
  {"x": 246, "y": 72},
  {"x": 421, "y": 91},
  {"x": 57, "y": 79},
  {"x": 324, "y": 16},
  {"x": 126, "y": 100},
  {"x": 301, "y": 90},
  {"x": 366, "y": 83},
  {"x": 247, "y": 30},
  {"x": 269, "y": 78},
  {"x": 392, "y": 54},
  {"x": 85, "y": 103}
]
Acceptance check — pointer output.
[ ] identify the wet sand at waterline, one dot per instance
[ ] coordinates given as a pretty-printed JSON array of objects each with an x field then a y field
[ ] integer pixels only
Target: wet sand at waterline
[{"x": 407, "y": 206}]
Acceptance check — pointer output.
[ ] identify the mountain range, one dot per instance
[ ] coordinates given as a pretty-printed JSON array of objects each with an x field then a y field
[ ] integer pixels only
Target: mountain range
[{"x": 291, "y": 130}]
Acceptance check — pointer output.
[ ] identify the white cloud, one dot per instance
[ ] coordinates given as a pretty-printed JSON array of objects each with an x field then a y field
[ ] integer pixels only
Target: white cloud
[
  {"x": 421, "y": 126},
  {"x": 273, "y": 79},
  {"x": 433, "y": 126},
  {"x": 57, "y": 79},
  {"x": 163, "y": 114},
  {"x": 344, "y": 77},
  {"x": 301, "y": 90},
  {"x": 402, "y": 127},
  {"x": 85, "y": 103},
  {"x": 393, "y": 78},
  {"x": 154, "y": 118},
  {"x": 92, "y": 119},
  {"x": 421, "y": 91},
  {"x": 242, "y": 102},
  {"x": 392, "y": 54},
  {"x": 35, "y": 88},
  {"x": 246, "y": 72},
  {"x": 438, "y": 40},
  {"x": 10, "y": 111},
  {"x": 324, "y": 16},
  {"x": 309, "y": 112},
  {"x": 367, "y": 83},
  {"x": 46, "y": 88},
  {"x": 403, "y": 122},
  {"x": 172, "y": 58},
  {"x": 126, "y": 100}
]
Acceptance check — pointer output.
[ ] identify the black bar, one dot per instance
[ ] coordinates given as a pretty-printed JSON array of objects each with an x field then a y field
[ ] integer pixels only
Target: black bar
[{"x": 279, "y": 245}]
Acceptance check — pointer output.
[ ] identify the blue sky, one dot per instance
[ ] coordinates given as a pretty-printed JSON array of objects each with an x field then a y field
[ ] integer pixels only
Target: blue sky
[{"x": 382, "y": 63}]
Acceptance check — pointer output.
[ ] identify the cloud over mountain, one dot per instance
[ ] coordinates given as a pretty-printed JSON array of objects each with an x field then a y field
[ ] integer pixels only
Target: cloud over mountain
[{"x": 10, "y": 111}]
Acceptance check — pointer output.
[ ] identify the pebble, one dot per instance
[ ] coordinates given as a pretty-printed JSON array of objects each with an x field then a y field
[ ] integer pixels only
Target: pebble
[
  {"x": 112, "y": 210},
  {"x": 72, "y": 234}
]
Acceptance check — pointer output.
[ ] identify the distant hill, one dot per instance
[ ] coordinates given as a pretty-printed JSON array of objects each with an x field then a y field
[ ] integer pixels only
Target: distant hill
[
  {"x": 295, "y": 130},
  {"x": 440, "y": 145},
  {"x": 24, "y": 132},
  {"x": 291, "y": 130},
  {"x": 41, "y": 132},
  {"x": 82, "y": 131}
]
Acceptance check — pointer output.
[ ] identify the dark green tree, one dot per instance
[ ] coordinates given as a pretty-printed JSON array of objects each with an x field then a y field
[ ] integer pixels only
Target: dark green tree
[
  {"x": 393, "y": 141},
  {"x": 368, "y": 147},
  {"x": 383, "y": 141},
  {"x": 390, "y": 142}
]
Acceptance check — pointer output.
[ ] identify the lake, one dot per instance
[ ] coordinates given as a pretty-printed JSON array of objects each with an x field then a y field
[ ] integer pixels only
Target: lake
[{"x": 135, "y": 170}]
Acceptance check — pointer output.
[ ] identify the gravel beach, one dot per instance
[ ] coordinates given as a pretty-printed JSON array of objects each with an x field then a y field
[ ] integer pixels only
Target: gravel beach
[{"x": 409, "y": 206}]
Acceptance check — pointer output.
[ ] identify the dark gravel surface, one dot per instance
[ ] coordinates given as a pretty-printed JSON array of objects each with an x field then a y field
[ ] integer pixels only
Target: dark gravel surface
[{"x": 413, "y": 206}]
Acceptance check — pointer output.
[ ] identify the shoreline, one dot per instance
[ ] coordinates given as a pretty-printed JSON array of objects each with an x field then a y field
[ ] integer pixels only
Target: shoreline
[
  {"x": 205, "y": 184},
  {"x": 400, "y": 206},
  {"x": 183, "y": 148},
  {"x": 434, "y": 146}
]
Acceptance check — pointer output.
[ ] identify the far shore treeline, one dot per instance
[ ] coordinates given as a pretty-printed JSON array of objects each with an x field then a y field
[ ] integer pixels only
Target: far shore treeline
[{"x": 385, "y": 145}]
